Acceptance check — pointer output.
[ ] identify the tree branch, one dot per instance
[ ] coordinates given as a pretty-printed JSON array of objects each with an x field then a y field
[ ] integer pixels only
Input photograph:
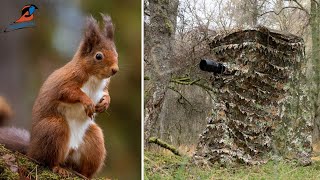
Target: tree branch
[
  {"x": 316, "y": 2},
  {"x": 277, "y": 13},
  {"x": 164, "y": 145},
  {"x": 301, "y": 7},
  {"x": 181, "y": 96}
]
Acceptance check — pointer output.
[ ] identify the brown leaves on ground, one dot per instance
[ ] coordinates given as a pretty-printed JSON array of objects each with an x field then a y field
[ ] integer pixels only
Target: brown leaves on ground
[{"x": 11, "y": 162}]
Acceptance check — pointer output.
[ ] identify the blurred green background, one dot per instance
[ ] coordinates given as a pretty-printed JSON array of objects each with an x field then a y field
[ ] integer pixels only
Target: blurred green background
[{"x": 28, "y": 56}]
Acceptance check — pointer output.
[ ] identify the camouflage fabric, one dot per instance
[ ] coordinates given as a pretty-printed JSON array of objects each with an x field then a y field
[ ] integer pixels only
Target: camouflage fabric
[{"x": 262, "y": 109}]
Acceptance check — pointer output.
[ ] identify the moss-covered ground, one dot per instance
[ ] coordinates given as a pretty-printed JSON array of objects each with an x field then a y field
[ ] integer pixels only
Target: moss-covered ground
[{"x": 17, "y": 166}]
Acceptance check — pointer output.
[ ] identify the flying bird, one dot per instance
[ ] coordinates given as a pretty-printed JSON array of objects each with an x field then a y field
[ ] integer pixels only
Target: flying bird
[{"x": 27, "y": 13}]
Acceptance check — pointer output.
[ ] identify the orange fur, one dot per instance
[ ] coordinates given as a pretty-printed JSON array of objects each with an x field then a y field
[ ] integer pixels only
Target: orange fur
[{"x": 50, "y": 134}]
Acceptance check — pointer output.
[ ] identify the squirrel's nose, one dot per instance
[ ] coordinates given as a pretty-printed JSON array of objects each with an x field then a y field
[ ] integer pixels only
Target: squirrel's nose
[{"x": 114, "y": 70}]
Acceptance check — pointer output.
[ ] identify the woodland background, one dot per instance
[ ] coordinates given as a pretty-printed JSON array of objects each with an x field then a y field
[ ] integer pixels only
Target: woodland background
[
  {"x": 28, "y": 56},
  {"x": 189, "y": 25},
  {"x": 178, "y": 98}
]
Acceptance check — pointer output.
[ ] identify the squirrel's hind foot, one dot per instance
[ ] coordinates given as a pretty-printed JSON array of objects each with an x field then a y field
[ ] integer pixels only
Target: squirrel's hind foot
[{"x": 61, "y": 171}]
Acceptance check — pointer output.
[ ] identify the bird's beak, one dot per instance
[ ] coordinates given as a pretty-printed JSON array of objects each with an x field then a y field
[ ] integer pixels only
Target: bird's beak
[{"x": 35, "y": 6}]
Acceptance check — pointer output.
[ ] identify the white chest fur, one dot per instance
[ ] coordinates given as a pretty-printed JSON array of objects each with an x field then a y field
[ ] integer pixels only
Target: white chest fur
[
  {"x": 75, "y": 115},
  {"x": 94, "y": 88}
]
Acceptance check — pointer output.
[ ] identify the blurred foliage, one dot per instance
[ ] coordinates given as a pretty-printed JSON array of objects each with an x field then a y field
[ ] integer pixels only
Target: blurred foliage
[{"x": 52, "y": 44}]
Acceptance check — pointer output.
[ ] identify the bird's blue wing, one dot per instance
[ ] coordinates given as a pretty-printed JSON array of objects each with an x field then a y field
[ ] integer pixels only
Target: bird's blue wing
[{"x": 31, "y": 10}]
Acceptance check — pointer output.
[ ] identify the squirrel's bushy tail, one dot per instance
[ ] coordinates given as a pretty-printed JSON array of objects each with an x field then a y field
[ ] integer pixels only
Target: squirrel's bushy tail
[
  {"x": 15, "y": 139},
  {"x": 12, "y": 138}
]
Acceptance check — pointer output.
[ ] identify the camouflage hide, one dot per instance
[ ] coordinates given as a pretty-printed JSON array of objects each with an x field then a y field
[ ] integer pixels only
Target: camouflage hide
[{"x": 262, "y": 109}]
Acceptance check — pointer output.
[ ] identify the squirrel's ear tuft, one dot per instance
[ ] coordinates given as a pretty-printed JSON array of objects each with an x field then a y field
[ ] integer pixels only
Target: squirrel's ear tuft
[
  {"x": 91, "y": 35},
  {"x": 108, "y": 28}
]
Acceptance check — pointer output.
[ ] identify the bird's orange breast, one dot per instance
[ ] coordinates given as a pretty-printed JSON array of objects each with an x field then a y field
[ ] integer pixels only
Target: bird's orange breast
[{"x": 24, "y": 19}]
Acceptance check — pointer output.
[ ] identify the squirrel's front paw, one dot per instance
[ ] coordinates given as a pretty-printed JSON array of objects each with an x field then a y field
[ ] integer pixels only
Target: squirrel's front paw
[
  {"x": 103, "y": 104},
  {"x": 89, "y": 107}
]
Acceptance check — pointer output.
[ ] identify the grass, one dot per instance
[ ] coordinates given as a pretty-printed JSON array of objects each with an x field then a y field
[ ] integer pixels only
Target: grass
[{"x": 159, "y": 165}]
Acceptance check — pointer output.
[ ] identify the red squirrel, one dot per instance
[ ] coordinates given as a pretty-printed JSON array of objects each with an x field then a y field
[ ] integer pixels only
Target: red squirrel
[{"x": 63, "y": 129}]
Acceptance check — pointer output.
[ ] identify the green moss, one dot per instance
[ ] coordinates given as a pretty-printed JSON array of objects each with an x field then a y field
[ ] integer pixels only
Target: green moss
[
  {"x": 169, "y": 26},
  {"x": 46, "y": 174},
  {"x": 3, "y": 150},
  {"x": 6, "y": 173},
  {"x": 9, "y": 175},
  {"x": 31, "y": 168},
  {"x": 22, "y": 161}
]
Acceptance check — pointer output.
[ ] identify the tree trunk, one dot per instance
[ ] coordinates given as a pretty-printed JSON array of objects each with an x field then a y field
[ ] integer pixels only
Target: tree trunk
[
  {"x": 315, "y": 35},
  {"x": 159, "y": 36},
  {"x": 249, "y": 13}
]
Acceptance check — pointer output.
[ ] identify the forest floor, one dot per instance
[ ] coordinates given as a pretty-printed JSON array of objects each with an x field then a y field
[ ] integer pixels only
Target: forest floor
[
  {"x": 163, "y": 165},
  {"x": 14, "y": 165}
]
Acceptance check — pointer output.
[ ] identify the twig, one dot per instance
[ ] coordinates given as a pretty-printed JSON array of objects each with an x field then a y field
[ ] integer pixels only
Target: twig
[
  {"x": 29, "y": 175},
  {"x": 316, "y": 2},
  {"x": 204, "y": 86},
  {"x": 36, "y": 172},
  {"x": 173, "y": 89},
  {"x": 184, "y": 82},
  {"x": 183, "y": 79},
  {"x": 195, "y": 82},
  {"x": 301, "y": 7}
]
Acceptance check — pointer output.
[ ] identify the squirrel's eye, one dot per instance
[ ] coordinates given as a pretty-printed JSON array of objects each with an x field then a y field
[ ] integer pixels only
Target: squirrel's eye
[{"x": 99, "y": 56}]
